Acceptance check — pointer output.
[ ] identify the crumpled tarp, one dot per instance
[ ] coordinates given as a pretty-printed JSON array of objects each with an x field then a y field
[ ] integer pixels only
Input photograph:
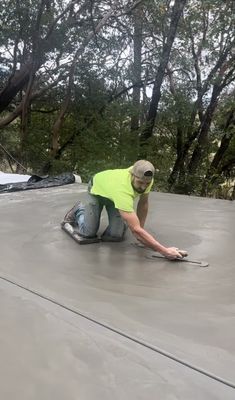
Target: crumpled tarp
[{"x": 38, "y": 182}]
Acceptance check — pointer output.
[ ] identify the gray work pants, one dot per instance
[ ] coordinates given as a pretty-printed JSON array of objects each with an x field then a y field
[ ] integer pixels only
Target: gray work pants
[{"x": 88, "y": 219}]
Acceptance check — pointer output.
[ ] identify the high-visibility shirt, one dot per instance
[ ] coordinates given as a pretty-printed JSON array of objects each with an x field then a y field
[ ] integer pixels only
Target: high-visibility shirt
[{"x": 115, "y": 185}]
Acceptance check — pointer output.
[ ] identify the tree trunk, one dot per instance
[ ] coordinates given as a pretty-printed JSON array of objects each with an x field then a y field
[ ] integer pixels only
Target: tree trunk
[
  {"x": 14, "y": 85},
  {"x": 156, "y": 95},
  {"x": 204, "y": 130},
  {"x": 18, "y": 110},
  {"x": 192, "y": 133},
  {"x": 59, "y": 121},
  {"x": 20, "y": 78},
  {"x": 180, "y": 161},
  {"x": 213, "y": 169},
  {"x": 138, "y": 25}
]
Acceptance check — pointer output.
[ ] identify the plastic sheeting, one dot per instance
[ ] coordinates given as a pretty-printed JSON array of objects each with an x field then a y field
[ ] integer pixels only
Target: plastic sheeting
[
  {"x": 12, "y": 178},
  {"x": 37, "y": 182}
]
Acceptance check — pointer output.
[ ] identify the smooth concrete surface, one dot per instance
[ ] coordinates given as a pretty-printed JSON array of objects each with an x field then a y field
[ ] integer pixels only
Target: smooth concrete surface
[{"x": 182, "y": 309}]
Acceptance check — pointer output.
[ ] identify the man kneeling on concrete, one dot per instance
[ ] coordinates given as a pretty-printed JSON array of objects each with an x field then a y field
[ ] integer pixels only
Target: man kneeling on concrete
[{"x": 116, "y": 190}]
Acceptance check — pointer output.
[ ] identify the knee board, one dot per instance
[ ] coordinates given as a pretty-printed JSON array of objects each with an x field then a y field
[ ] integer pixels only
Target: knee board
[{"x": 69, "y": 229}]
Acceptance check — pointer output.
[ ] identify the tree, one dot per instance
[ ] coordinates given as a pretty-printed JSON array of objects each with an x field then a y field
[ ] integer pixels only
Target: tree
[
  {"x": 80, "y": 91},
  {"x": 218, "y": 164},
  {"x": 176, "y": 13},
  {"x": 207, "y": 51}
]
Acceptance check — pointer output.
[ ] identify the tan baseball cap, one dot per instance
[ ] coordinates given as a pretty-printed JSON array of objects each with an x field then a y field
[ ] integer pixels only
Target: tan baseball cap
[{"x": 144, "y": 170}]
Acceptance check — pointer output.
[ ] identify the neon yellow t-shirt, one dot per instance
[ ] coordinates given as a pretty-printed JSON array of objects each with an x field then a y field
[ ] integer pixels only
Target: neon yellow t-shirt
[{"x": 115, "y": 185}]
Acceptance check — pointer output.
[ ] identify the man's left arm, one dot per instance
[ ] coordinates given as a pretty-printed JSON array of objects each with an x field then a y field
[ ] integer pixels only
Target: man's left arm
[{"x": 142, "y": 208}]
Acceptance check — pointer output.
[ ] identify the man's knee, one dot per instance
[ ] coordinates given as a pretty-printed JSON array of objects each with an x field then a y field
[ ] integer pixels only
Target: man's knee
[
  {"x": 114, "y": 234},
  {"x": 88, "y": 218}
]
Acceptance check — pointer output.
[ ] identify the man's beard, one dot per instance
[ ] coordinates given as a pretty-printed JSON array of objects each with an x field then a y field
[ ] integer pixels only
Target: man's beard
[{"x": 140, "y": 191}]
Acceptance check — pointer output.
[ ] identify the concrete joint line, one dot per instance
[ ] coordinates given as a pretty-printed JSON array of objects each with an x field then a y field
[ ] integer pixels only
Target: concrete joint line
[{"x": 123, "y": 334}]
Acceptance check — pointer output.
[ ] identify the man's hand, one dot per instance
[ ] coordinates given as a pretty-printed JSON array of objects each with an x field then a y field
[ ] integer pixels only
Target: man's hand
[
  {"x": 173, "y": 253},
  {"x": 148, "y": 240}
]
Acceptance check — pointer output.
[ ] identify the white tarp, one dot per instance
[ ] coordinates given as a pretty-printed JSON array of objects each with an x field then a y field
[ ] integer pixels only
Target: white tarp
[{"x": 12, "y": 178}]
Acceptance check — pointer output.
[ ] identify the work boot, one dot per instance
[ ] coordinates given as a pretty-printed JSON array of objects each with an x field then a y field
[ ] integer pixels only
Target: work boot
[{"x": 70, "y": 216}]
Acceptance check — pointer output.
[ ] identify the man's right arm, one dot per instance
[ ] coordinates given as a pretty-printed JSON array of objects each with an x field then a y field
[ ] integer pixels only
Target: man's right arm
[{"x": 143, "y": 236}]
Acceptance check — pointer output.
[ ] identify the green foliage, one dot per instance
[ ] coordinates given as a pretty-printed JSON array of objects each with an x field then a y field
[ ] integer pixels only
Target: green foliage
[
  {"x": 95, "y": 132},
  {"x": 106, "y": 143}
]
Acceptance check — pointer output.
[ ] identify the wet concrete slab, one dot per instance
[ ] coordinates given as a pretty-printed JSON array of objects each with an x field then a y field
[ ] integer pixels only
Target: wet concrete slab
[
  {"x": 184, "y": 310},
  {"x": 48, "y": 352}
]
